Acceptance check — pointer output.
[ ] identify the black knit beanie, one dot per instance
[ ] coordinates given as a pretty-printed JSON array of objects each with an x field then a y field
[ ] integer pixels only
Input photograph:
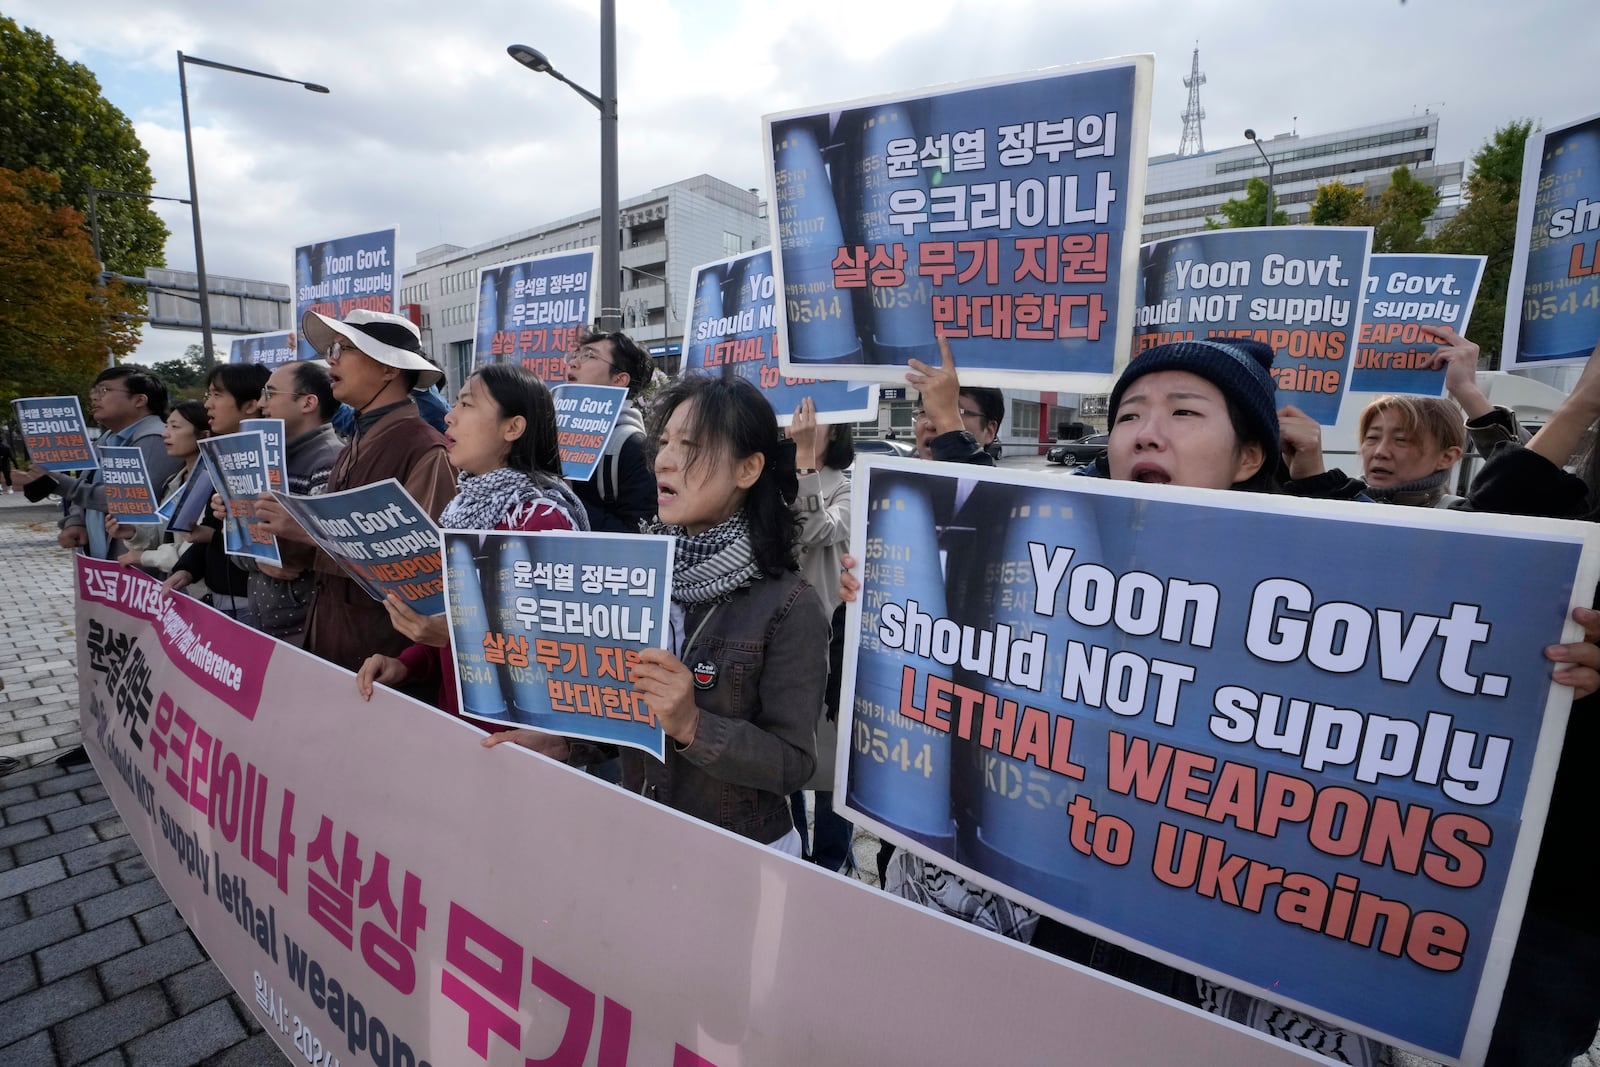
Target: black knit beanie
[{"x": 1237, "y": 367}]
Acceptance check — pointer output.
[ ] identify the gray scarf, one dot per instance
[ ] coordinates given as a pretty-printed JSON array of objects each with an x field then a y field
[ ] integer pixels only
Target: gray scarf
[
  {"x": 1426, "y": 490},
  {"x": 484, "y": 501},
  {"x": 713, "y": 565}
]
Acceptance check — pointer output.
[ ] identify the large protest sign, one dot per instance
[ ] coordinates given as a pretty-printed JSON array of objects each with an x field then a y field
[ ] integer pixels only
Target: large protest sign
[
  {"x": 1404, "y": 292},
  {"x": 130, "y": 495},
  {"x": 55, "y": 433},
  {"x": 733, "y": 330},
  {"x": 586, "y": 417},
  {"x": 272, "y": 446},
  {"x": 406, "y": 931},
  {"x": 533, "y": 311},
  {"x": 1004, "y": 213},
  {"x": 545, "y": 626},
  {"x": 382, "y": 539},
  {"x": 336, "y": 276},
  {"x": 1553, "y": 309},
  {"x": 1295, "y": 289},
  {"x": 238, "y": 466},
  {"x": 1305, "y": 752},
  {"x": 267, "y": 349}
]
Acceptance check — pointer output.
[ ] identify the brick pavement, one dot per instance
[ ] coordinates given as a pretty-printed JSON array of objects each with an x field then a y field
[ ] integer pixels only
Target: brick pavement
[{"x": 96, "y": 966}]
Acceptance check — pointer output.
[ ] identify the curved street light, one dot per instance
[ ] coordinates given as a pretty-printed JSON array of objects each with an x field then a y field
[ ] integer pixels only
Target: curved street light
[
  {"x": 194, "y": 193},
  {"x": 606, "y": 104},
  {"x": 1250, "y": 135}
]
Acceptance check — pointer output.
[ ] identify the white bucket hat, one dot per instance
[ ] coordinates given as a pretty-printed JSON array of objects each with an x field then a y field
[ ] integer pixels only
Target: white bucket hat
[{"x": 392, "y": 340}]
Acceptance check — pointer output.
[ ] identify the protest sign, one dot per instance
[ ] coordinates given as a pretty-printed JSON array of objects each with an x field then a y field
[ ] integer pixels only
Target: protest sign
[
  {"x": 1294, "y": 289},
  {"x": 382, "y": 539},
  {"x": 272, "y": 444},
  {"x": 192, "y": 501},
  {"x": 1553, "y": 309},
  {"x": 533, "y": 311},
  {"x": 54, "y": 432},
  {"x": 1003, "y": 213},
  {"x": 1305, "y": 752},
  {"x": 586, "y": 416},
  {"x": 545, "y": 626},
  {"x": 336, "y": 276},
  {"x": 403, "y": 930},
  {"x": 267, "y": 349},
  {"x": 1406, "y": 291},
  {"x": 130, "y": 495},
  {"x": 733, "y": 330},
  {"x": 239, "y": 473}
]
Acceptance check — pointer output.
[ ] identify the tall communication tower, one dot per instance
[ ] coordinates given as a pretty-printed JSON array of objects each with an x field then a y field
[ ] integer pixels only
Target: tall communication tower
[{"x": 1193, "y": 140}]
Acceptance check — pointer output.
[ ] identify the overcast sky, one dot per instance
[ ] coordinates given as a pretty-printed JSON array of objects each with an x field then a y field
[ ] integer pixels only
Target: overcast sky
[{"x": 432, "y": 128}]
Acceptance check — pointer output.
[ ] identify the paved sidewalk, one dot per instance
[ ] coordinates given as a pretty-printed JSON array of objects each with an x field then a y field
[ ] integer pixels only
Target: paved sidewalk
[{"x": 96, "y": 967}]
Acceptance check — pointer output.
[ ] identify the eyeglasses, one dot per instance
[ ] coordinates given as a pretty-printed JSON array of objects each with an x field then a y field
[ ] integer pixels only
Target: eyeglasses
[
  {"x": 921, "y": 415},
  {"x": 268, "y": 392},
  {"x": 584, "y": 355},
  {"x": 216, "y": 394},
  {"x": 339, "y": 348},
  {"x": 101, "y": 390}
]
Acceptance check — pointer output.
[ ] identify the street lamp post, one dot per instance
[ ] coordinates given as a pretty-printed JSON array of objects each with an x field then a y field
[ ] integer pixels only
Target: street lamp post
[
  {"x": 194, "y": 193},
  {"x": 1250, "y": 135},
  {"x": 606, "y": 104}
]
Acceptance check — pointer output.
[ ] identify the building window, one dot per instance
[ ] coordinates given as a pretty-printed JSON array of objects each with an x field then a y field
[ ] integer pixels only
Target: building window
[
  {"x": 731, "y": 244},
  {"x": 900, "y": 417},
  {"x": 1024, "y": 419}
]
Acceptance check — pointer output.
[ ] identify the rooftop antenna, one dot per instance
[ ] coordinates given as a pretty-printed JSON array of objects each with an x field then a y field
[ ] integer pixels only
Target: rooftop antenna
[{"x": 1193, "y": 141}]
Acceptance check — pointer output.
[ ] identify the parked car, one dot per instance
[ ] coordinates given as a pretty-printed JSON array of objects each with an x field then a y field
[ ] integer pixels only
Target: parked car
[
  {"x": 1084, "y": 450},
  {"x": 885, "y": 446}
]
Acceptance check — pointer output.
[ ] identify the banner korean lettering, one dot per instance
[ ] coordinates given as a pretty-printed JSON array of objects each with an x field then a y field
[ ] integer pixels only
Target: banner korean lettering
[
  {"x": 407, "y": 932},
  {"x": 532, "y": 312},
  {"x": 545, "y": 627},
  {"x": 130, "y": 495},
  {"x": 1003, "y": 215},
  {"x": 54, "y": 432},
  {"x": 237, "y": 463}
]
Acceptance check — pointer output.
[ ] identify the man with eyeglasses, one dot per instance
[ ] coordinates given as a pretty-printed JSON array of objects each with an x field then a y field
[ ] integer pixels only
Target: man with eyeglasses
[
  {"x": 301, "y": 395},
  {"x": 622, "y": 492},
  {"x": 375, "y": 360},
  {"x": 129, "y": 404}
]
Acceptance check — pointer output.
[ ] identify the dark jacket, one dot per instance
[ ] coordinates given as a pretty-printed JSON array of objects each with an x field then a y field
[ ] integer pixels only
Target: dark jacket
[
  {"x": 756, "y": 740},
  {"x": 622, "y": 492},
  {"x": 1516, "y": 481},
  {"x": 345, "y": 625}
]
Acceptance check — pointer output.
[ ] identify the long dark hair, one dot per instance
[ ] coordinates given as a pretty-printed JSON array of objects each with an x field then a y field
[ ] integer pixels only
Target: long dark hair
[
  {"x": 731, "y": 417},
  {"x": 515, "y": 391},
  {"x": 840, "y": 450}
]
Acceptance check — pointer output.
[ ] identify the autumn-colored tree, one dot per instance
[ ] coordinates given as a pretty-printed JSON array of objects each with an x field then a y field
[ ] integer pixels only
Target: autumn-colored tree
[
  {"x": 54, "y": 117},
  {"x": 1487, "y": 226},
  {"x": 1251, "y": 211},
  {"x": 58, "y": 325}
]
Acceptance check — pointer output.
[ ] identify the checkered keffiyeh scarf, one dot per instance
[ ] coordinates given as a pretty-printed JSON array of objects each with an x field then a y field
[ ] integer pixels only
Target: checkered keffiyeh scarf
[{"x": 713, "y": 565}]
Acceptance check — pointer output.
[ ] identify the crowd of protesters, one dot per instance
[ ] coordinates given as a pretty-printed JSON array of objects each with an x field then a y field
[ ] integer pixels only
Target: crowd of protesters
[{"x": 761, "y": 521}]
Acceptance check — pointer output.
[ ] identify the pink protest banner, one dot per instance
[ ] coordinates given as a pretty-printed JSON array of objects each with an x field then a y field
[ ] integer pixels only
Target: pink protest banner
[{"x": 381, "y": 889}]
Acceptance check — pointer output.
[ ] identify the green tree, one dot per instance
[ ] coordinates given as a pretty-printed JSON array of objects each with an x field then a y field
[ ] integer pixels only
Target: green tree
[
  {"x": 183, "y": 376},
  {"x": 53, "y": 117},
  {"x": 58, "y": 325},
  {"x": 1401, "y": 211},
  {"x": 1251, "y": 211},
  {"x": 1338, "y": 204},
  {"x": 1487, "y": 226}
]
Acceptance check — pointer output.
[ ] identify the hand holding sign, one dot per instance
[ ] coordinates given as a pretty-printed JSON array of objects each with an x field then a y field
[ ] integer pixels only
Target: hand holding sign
[
  {"x": 1578, "y": 663},
  {"x": 940, "y": 388},
  {"x": 423, "y": 629},
  {"x": 666, "y": 685}
]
